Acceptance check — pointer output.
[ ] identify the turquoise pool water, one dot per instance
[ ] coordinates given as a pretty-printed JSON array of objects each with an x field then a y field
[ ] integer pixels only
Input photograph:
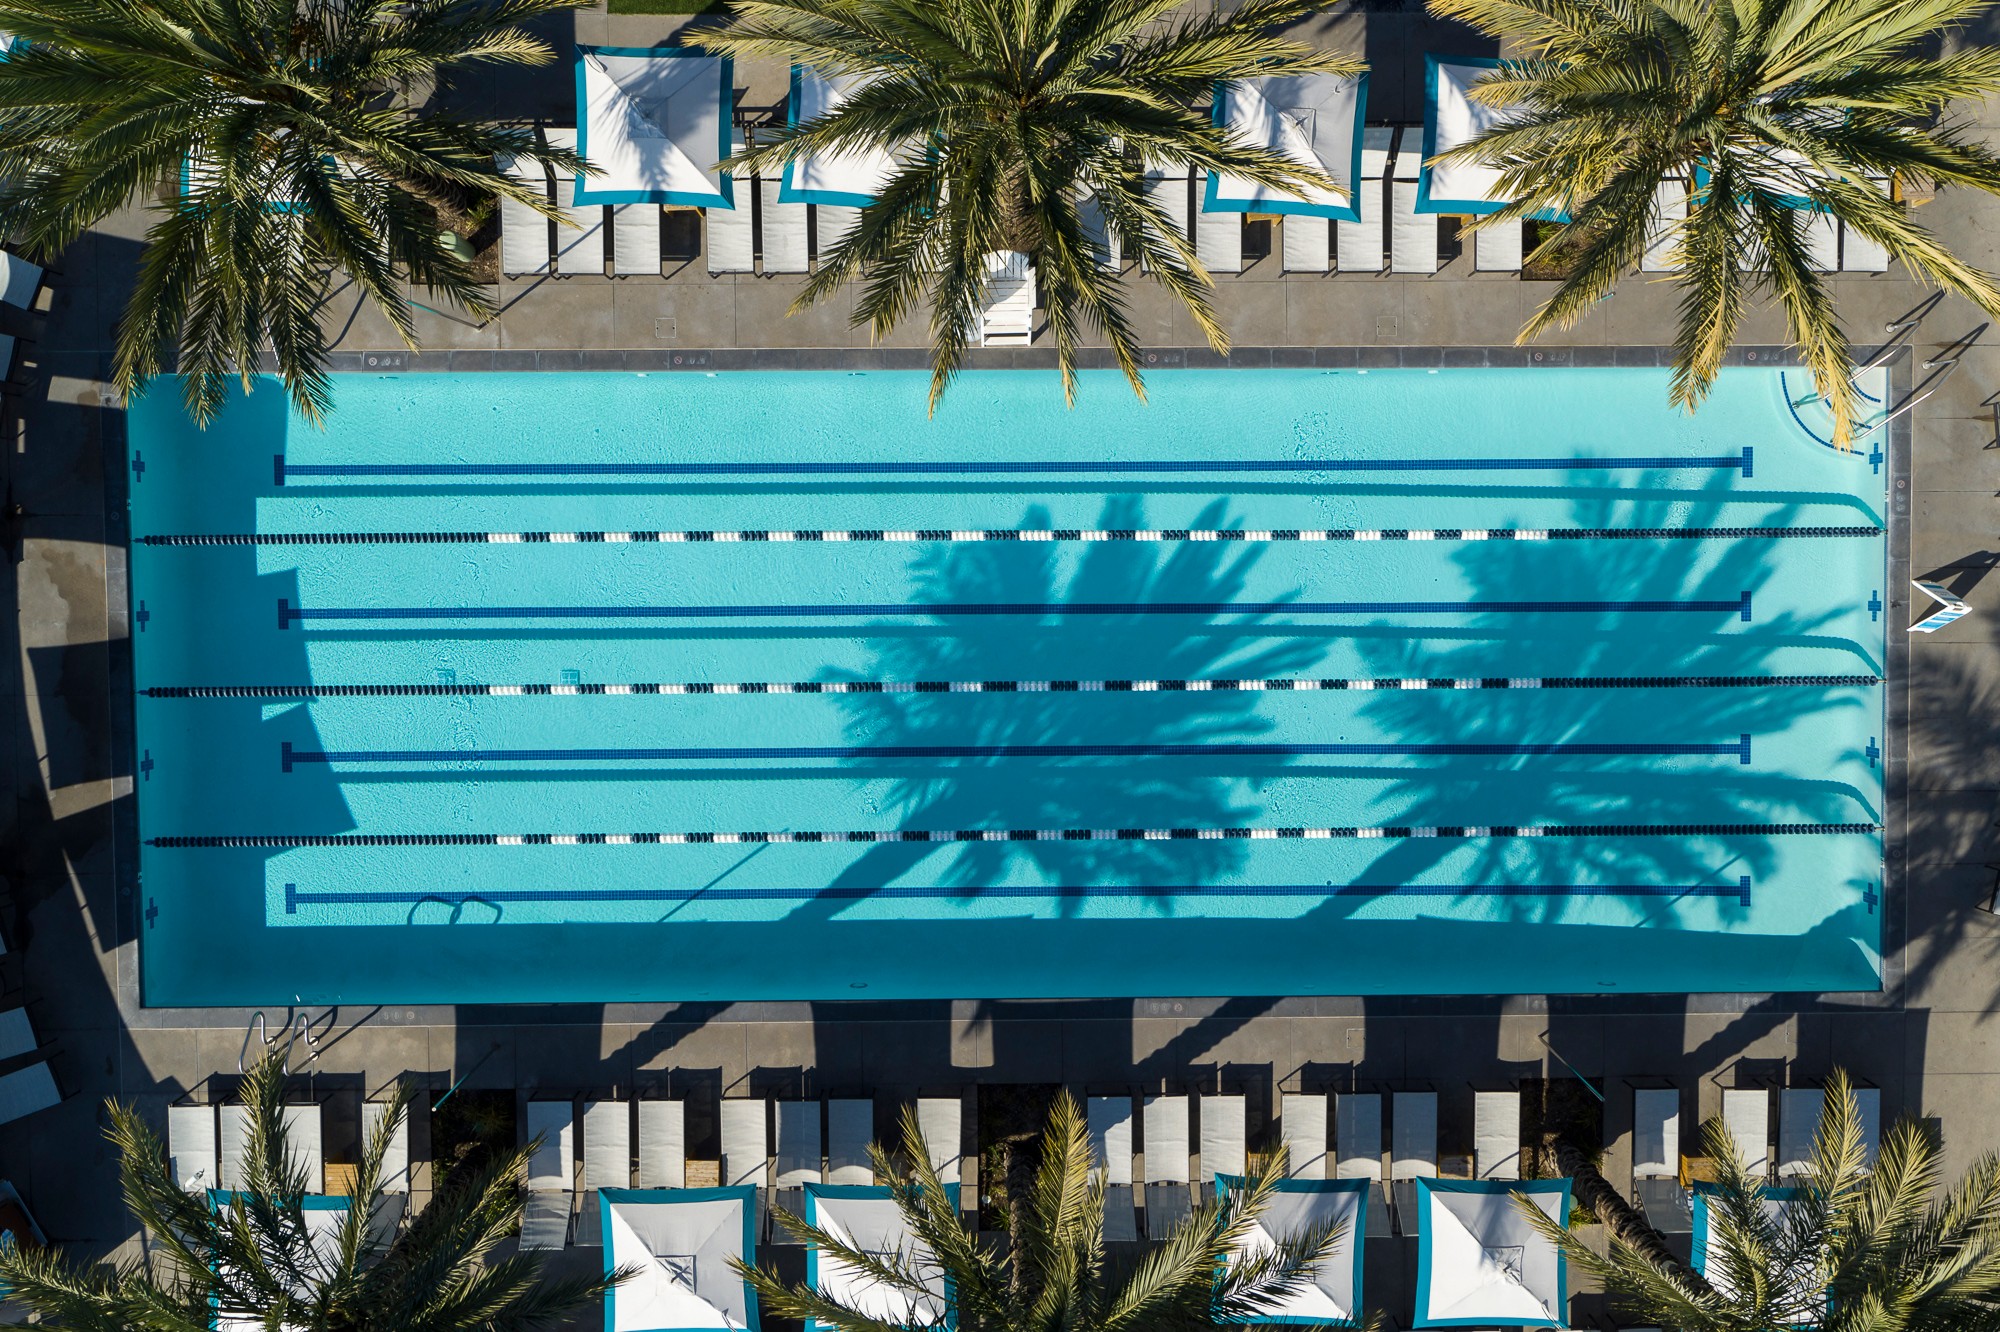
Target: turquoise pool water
[{"x": 467, "y": 752}]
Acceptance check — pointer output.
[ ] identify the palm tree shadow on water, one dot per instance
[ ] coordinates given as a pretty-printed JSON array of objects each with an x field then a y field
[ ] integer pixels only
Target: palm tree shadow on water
[
  {"x": 1612, "y": 789},
  {"x": 965, "y": 793}
]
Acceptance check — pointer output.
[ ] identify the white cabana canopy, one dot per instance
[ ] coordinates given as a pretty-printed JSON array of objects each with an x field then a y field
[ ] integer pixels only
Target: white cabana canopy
[
  {"x": 1480, "y": 1262},
  {"x": 654, "y": 121},
  {"x": 843, "y": 179},
  {"x": 867, "y": 1217},
  {"x": 1777, "y": 1203},
  {"x": 681, "y": 1240},
  {"x": 1313, "y": 119},
  {"x": 1451, "y": 120},
  {"x": 324, "y": 1217},
  {"x": 1299, "y": 1205}
]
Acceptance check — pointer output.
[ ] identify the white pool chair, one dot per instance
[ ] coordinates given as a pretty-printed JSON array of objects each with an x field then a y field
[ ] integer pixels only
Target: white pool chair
[
  {"x": 746, "y": 1142},
  {"x": 662, "y": 1145},
  {"x": 232, "y": 1138},
  {"x": 1497, "y": 247},
  {"x": 1799, "y": 1111},
  {"x": 942, "y": 1119},
  {"x": 1858, "y": 254},
  {"x": 1496, "y": 1134},
  {"x": 1358, "y": 246},
  {"x": 579, "y": 243},
  {"x": 20, "y": 281},
  {"x": 1670, "y": 197},
  {"x": 27, "y": 1090},
  {"x": 1218, "y": 241},
  {"x": 551, "y": 1185},
  {"x": 784, "y": 232},
  {"x": 1302, "y": 1128},
  {"x": 1103, "y": 241},
  {"x": 1656, "y": 1133},
  {"x": 831, "y": 225},
  {"x": 730, "y": 234},
  {"x": 1413, "y": 236},
  {"x": 1306, "y": 242},
  {"x": 607, "y": 1163},
  {"x": 1169, "y": 193},
  {"x": 799, "y": 1151},
  {"x": 635, "y": 240},
  {"x": 524, "y": 233},
  {"x": 1008, "y": 317},
  {"x": 1821, "y": 233},
  {"x": 1109, "y": 1120},
  {"x": 850, "y": 1128},
  {"x": 396, "y": 1161},
  {"x": 17, "y": 1034},
  {"x": 1169, "y": 1191},
  {"x": 1225, "y": 1137},
  {"x": 1747, "y": 1115},
  {"x": 1868, "y": 1104},
  {"x": 1357, "y": 1139},
  {"x": 1413, "y": 1154},
  {"x": 305, "y": 1143},
  {"x": 191, "y": 1147}
]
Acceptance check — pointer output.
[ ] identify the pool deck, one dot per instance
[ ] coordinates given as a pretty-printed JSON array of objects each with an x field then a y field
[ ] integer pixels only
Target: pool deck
[{"x": 1929, "y": 1039}]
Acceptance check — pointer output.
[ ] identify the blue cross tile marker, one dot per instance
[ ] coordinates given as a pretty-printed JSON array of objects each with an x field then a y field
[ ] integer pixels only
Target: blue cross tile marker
[
  {"x": 146, "y": 766},
  {"x": 138, "y": 466},
  {"x": 291, "y": 899},
  {"x": 1872, "y": 752},
  {"x": 1875, "y": 459},
  {"x": 152, "y": 912},
  {"x": 1874, "y": 606},
  {"x": 143, "y": 616},
  {"x": 1871, "y": 897}
]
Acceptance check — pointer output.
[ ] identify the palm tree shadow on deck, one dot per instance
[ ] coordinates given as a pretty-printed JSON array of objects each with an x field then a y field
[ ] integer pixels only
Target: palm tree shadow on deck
[{"x": 1069, "y": 793}]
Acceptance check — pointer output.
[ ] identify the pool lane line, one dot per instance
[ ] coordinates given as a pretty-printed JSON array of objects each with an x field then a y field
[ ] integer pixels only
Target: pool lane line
[
  {"x": 288, "y": 614},
  {"x": 958, "y": 535},
  {"x": 1387, "y": 832},
  {"x": 1738, "y": 892},
  {"x": 282, "y": 471},
  {"x": 1221, "y": 686},
  {"x": 289, "y": 758}
]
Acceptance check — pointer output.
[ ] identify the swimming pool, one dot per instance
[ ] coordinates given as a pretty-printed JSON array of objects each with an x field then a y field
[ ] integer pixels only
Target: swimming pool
[{"x": 764, "y": 685}]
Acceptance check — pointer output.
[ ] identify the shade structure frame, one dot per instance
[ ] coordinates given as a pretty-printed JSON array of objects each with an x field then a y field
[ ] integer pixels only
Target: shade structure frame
[
  {"x": 723, "y": 195},
  {"x": 1353, "y": 1195},
  {"x": 882, "y": 165},
  {"x": 1427, "y": 201},
  {"x": 1215, "y": 200},
  {"x": 1429, "y": 1190},
  {"x": 745, "y": 1196},
  {"x": 817, "y": 1195}
]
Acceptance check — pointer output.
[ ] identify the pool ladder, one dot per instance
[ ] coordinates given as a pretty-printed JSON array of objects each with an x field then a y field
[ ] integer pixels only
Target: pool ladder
[{"x": 299, "y": 1028}]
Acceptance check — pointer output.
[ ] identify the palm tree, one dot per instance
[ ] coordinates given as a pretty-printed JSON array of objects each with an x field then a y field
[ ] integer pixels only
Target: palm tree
[
  {"x": 1018, "y": 111},
  {"x": 1772, "y": 108},
  {"x": 286, "y": 133},
  {"x": 1848, "y": 1249},
  {"x": 1054, "y": 1275},
  {"x": 251, "y": 1258}
]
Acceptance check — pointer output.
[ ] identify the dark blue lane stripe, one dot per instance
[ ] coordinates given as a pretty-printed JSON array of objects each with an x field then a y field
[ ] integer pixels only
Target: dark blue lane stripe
[
  {"x": 294, "y": 898},
  {"x": 289, "y": 614},
  {"x": 283, "y": 470},
  {"x": 289, "y": 757}
]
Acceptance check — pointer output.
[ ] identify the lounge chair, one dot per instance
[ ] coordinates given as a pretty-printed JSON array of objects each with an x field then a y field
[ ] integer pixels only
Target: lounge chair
[
  {"x": 1008, "y": 317},
  {"x": 524, "y": 233},
  {"x": 746, "y": 1143},
  {"x": 1413, "y": 1154},
  {"x": 1496, "y": 1135},
  {"x": 1109, "y": 1119},
  {"x": 1357, "y": 1138},
  {"x": 27, "y": 1090},
  {"x": 232, "y": 1142},
  {"x": 731, "y": 239},
  {"x": 1656, "y": 1159},
  {"x": 1671, "y": 197},
  {"x": 1413, "y": 236},
  {"x": 831, "y": 224},
  {"x": 800, "y": 1154},
  {"x": 1799, "y": 1110},
  {"x": 306, "y": 1143},
  {"x": 396, "y": 1161},
  {"x": 551, "y": 1175},
  {"x": 850, "y": 1128},
  {"x": 1218, "y": 241},
  {"x": 635, "y": 240},
  {"x": 191, "y": 1147},
  {"x": 1496, "y": 247},
  {"x": 1358, "y": 246},
  {"x": 1858, "y": 254},
  {"x": 1302, "y": 1128},
  {"x": 580, "y": 244},
  {"x": 20, "y": 281},
  {"x": 942, "y": 1119},
  {"x": 1103, "y": 241},
  {"x": 1821, "y": 233},
  {"x": 784, "y": 228},
  {"x": 662, "y": 1145},
  {"x": 17, "y": 1034},
  {"x": 1169, "y": 193},
  {"x": 607, "y": 1163},
  {"x": 1169, "y": 1196},
  {"x": 1307, "y": 242},
  {"x": 1224, "y": 1139},
  {"x": 1747, "y": 1114}
]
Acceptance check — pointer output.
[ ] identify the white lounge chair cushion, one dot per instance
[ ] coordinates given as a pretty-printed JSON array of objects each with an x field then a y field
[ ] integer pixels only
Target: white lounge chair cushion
[
  {"x": 553, "y": 1165},
  {"x": 746, "y": 1148},
  {"x": 191, "y": 1147},
  {"x": 850, "y": 1128},
  {"x": 1747, "y": 1114},
  {"x": 1307, "y": 242},
  {"x": 1656, "y": 1133},
  {"x": 19, "y": 280},
  {"x": 799, "y": 1152},
  {"x": 1223, "y": 1147},
  {"x": 1357, "y": 1135},
  {"x": 1414, "y": 1124},
  {"x": 396, "y": 1161},
  {"x": 662, "y": 1145},
  {"x": 1109, "y": 1119},
  {"x": 1496, "y": 1134},
  {"x": 607, "y": 1144},
  {"x": 1302, "y": 1127},
  {"x": 635, "y": 239},
  {"x": 784, "y": 228},
  {"x": 1166, "y": 1153},
  {"x": 942, "y": 1121}
]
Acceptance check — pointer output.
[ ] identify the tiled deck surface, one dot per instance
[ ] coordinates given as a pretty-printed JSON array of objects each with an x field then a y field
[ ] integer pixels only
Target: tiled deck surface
[{"x": 1929, "y": 1040}]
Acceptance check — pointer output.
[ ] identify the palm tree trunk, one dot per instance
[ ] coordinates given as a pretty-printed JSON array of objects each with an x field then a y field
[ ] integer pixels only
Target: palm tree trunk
[
  {"x": 1624, "y": 1221},
  {"x": 1023, "y": 1158}
]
